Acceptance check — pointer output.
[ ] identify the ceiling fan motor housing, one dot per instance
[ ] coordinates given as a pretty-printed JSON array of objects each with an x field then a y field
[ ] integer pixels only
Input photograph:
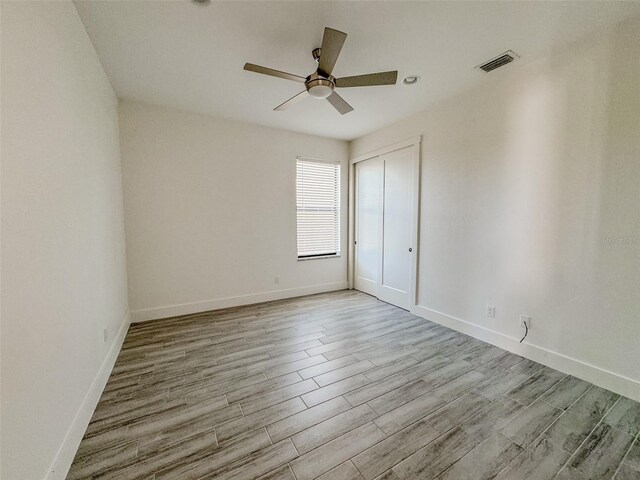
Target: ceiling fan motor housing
[{"x": 318, "y": 86}]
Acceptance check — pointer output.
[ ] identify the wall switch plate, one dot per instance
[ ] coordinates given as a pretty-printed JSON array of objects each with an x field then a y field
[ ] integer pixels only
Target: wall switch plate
[
  {"x": 105, "y": 335},
  {"x": 525, "y": 319},
  {"x": 491, "y": 311}
]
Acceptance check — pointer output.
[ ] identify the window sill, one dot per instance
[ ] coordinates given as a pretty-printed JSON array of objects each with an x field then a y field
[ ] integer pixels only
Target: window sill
[{"x": 304, "y": 259}]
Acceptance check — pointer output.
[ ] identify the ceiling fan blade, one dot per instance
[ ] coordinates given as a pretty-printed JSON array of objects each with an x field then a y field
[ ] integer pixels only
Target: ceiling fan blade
[
  {"x": 380, "y": 78},
  {"x": 332, "y": 42},
  {"x": 339, "y": 103},
  {"x": 274, "y": 73},
  {"x": 295, "y": 99}
]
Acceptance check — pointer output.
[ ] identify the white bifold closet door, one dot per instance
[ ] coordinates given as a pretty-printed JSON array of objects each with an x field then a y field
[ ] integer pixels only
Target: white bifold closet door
[{"x": 383, "y": 234}]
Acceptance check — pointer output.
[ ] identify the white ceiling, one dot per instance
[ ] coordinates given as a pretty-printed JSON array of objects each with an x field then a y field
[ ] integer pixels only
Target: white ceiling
[{"x": 188, "y": 56}]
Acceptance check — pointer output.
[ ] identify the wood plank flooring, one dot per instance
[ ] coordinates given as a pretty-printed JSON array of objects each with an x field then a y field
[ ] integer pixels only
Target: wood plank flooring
[{"x": 341, "y": 386}]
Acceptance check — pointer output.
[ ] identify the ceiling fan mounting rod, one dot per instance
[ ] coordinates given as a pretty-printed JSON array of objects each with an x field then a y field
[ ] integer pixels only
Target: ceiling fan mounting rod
[{"x": 316, "y": 54}]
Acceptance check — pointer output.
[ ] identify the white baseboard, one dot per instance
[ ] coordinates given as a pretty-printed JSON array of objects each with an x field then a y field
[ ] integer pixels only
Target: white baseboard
[
  {"x": 156, "y": 313},
  {"x": 599, "y": 376},
  {"x": 66, "y": 453}
]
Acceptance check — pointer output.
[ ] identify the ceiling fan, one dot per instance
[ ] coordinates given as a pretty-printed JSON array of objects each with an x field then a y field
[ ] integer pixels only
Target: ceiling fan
[{"x": 321, "y": 83}]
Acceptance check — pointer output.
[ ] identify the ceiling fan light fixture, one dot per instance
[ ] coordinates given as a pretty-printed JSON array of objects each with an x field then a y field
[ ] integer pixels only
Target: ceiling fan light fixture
[
  {"x": 319, "y": 88},
  {"x": 411, "y": 80},
  {"x": 320, "y": 91}
]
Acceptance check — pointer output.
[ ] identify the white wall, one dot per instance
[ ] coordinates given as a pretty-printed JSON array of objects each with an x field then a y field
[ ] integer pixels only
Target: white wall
[
  {"x": 210, "y": 212},
  {"x": 63, "y": 268},
  {"x": 531, "y": 202}
]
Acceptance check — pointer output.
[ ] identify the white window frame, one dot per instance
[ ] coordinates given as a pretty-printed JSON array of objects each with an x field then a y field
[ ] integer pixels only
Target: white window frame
[{"x": 338, "y": 210}]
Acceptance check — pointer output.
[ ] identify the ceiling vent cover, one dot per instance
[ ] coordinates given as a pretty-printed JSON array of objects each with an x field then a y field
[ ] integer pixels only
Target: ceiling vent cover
[{"x": 499, "y": 61}]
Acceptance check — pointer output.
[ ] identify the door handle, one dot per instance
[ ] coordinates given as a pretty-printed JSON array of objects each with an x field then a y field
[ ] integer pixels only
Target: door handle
[{"x": 410, "y": 249}]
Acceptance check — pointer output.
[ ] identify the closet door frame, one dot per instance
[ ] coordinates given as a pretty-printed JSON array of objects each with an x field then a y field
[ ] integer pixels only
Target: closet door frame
[{"x": 414, "y": 143}]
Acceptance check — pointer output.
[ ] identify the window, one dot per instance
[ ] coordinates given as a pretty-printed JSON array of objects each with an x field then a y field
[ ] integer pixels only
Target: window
[{"x": 318, "y": 208}]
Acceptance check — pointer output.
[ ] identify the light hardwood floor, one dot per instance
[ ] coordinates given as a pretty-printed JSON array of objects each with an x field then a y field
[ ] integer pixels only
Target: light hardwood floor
[{"x": 341, "y": 386}]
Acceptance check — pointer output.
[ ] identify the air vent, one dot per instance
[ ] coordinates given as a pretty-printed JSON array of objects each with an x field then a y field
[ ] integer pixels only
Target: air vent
[{"x": 499, "y": 61}]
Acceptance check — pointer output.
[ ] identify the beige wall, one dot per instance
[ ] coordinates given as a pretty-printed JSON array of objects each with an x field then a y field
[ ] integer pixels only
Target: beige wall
[
  {"x": 63, "y": 271},
  {"x": 531, "y": 202},
  {"x": 210, "y": 212}
]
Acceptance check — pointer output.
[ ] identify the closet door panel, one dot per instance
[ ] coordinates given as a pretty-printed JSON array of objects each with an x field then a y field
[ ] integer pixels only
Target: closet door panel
[
  {"x": 368, "y": 229},
  {"x": 395, "y": 265}
]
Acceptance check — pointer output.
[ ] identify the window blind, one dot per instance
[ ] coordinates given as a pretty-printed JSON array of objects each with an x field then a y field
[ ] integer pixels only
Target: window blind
[{"x": 318, "y": 208}]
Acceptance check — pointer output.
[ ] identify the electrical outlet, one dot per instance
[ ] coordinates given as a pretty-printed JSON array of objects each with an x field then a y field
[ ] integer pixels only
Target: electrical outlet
[
  {"x": 277, "y": 280},
  {"x": 105, "y": 335},
  {"x": 491, "y": 311},
  {"x": 525, "y": 319}
]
